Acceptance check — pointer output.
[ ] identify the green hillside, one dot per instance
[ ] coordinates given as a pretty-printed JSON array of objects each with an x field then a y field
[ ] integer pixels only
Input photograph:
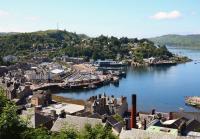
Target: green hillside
[
  {"x": 7, "y": 33},
  {"x": 190, "y": 41},
  {"x": 52, "y": 43}
]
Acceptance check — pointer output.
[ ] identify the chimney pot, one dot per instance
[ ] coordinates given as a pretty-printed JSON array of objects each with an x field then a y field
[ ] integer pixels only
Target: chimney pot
[{"x": 170, "y": 116}]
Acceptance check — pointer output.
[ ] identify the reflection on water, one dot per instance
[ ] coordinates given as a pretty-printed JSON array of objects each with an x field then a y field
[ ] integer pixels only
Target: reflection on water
[
  {"x": 162, "y": 87},
  {"x": 191, "y": 53},
  {"x": 152, "y": 69}
]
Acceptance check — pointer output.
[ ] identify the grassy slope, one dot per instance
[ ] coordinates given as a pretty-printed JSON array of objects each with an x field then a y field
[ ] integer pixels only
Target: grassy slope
[{"x": 191, "y": 41}]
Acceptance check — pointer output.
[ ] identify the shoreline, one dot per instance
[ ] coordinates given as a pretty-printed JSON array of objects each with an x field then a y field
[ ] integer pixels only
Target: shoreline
[
  {"x": 193, "y": 101},
  {"x": 104, "y": 79},
  {"x": 62, "y": 99},
  {"x": 171, "y": 62}
]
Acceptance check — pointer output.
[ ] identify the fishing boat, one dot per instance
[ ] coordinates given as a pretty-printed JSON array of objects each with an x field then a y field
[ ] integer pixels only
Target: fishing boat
[
  {"x": 92, "y": 86},
  {"x": 115, "y": 80}
]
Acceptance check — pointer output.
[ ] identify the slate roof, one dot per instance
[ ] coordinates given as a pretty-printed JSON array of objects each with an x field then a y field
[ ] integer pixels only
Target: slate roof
[
  {"x": 41, "y": 119},
  {"x": 143, "y": 134},
  {"x": 35, "y": 119},
  {"x": 115, "y": 124},
  {"x": 188, "y": 115},
  {"x": 192, "y": 125}
]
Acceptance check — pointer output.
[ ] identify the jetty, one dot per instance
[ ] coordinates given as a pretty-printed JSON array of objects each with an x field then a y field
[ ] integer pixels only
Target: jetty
[
  {"x": 78, "y": 80},
  {"x": 47, "y": 85}
]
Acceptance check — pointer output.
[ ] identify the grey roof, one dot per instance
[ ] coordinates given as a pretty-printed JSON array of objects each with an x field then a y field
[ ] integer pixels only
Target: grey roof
[
  {"x": 188, "y": 115},
  {"x": 115, "y": 124},
  {"x": 41, "y": 119},
  {"x": 192, "y": 125},
  {"x": 90, "y": 115},
  {"x": 75, "y": 122},
  {"x": 35, "y": 119},
  {"x": 143, "y": 134},
  {"x": 112, "y": 120}
]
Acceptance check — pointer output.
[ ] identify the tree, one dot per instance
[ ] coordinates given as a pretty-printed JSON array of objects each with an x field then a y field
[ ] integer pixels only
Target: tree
[
  {"x": 66, "y": 134},
  {"x": 10, "y": 124},
  {"x": 97, "y": 132},
  {"x": 3, "y": 100},
  {"x": 119, "y": 118},
  {"x": 95, "y": 55},
  {"x": 39, "y": 133}
]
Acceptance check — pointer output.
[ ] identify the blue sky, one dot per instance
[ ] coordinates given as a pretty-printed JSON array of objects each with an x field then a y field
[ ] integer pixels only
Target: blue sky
[{"x": 132, "y": 18}]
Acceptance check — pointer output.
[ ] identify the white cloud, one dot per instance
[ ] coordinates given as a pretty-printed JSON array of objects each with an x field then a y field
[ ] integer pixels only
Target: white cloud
[
  {"x": 166, "y": 15},
  {"x": 3, "y": 13},
  {"x": 33, "y": 18}
]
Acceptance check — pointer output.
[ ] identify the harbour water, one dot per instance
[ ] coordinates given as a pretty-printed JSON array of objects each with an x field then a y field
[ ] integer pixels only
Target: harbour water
[{"x": 162, "y": 88}]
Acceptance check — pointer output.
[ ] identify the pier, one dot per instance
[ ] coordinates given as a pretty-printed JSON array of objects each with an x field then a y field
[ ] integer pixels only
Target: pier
[{"x": 47, "y": 85}]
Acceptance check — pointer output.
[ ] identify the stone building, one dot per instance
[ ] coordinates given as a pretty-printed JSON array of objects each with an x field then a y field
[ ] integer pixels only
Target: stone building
[
  {"x": 34, "y": 118},
  {"x": 17, "y": 91},
  {"x": 108, "y": 105},
  {"x": 41, "y": 97}
]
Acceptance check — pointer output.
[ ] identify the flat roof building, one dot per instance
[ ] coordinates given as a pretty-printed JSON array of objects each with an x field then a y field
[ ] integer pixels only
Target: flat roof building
[{"x": 64, "y": 107}]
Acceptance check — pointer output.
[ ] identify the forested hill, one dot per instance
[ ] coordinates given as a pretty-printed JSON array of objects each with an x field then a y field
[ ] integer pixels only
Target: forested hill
[
  {"x": 23, "y": 43},
  {"x": 191, "y": 41},
  {"x": 52, "y": 43},
  {"x": 7, "y": 33}
]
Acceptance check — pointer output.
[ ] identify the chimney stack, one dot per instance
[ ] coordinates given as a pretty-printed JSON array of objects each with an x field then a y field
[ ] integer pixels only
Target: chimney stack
[
  {"x": 153, "y": 111},
  {"x": 53, "y": 113},
  {"x": 145, "y": 124},
  {"x": 133, "y": 112},
  {"x": 127, "y": 124},
  {"x": 170, "y": 116}
]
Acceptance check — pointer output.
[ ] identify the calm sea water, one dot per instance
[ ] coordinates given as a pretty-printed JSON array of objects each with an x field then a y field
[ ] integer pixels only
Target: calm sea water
[{"x": 161, "y": 88}]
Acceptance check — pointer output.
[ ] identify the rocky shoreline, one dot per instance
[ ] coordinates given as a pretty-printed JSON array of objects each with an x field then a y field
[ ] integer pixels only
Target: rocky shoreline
[
  {"x": 160, "y": 62},
  {"x": 193, "y": 101}
]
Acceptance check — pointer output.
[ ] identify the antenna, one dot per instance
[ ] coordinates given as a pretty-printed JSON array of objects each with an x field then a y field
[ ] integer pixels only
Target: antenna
[{"x": 57, "y": 26}]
